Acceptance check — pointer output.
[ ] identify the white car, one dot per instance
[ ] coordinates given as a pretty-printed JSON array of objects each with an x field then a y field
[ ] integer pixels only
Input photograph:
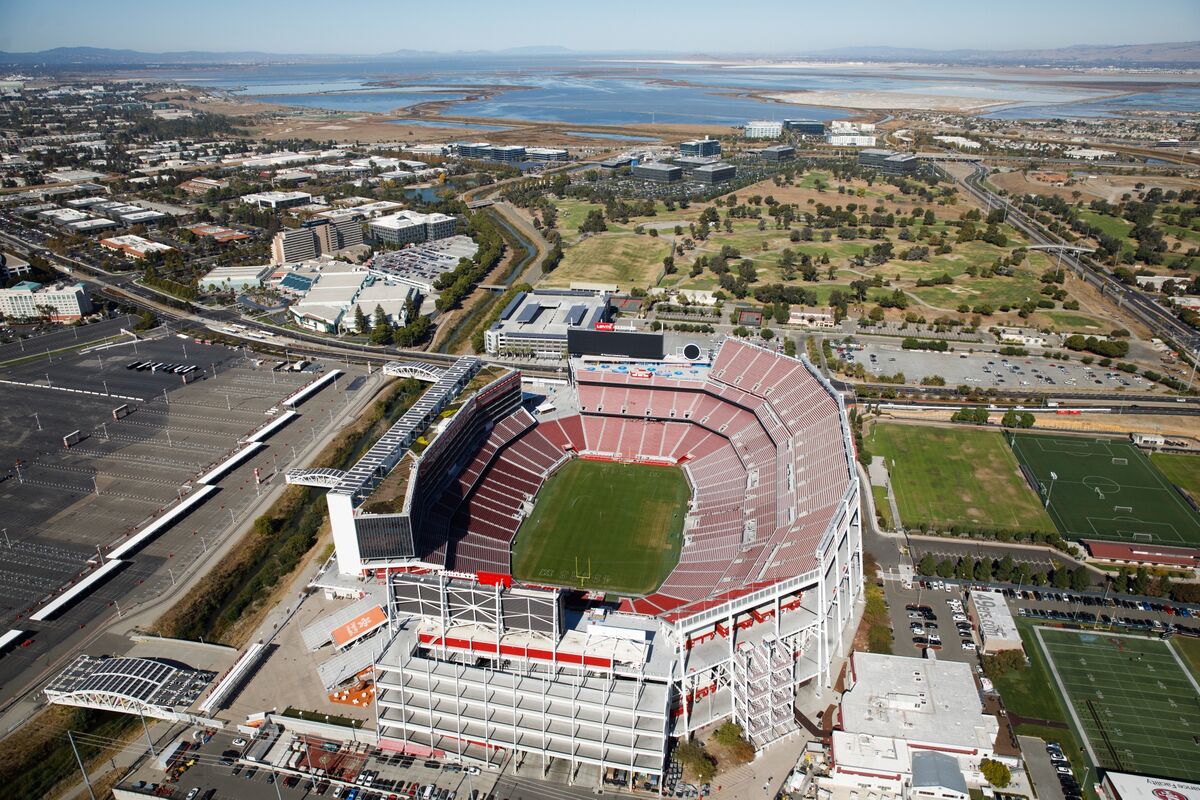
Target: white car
[
  {"x": 472, "y": 770},
  {"x": 968, "y": 645},
  {"x": 239, "y": 742},
  {"x": 959, "y": 618}
]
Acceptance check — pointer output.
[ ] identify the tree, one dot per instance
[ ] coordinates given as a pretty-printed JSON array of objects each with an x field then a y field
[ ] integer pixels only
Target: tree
[
  {"x": 945, "y": 568},
  {"x": 381, "y": 329},
  {"x": 1061, "y": 578},
  {"x": 1004, "y": 569},
  {"x": 1080, "y": 580},
  {"x": 360, "y": 320},
  {"x": 693, "y": 757},
  {"x": 927, "y": 565},
  {"x": 997, "y": 773},
  {"x": 983, "y": 570}
]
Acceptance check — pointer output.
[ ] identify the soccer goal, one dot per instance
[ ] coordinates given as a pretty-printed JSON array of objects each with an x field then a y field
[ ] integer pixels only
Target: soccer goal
[
  {"x": 1122, "y": 509},
  {"x": 1143, "y": 537},
  {"x": 1120, "y": 461}
]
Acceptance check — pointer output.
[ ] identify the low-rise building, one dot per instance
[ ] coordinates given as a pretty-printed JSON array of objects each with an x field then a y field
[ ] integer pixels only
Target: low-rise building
[
  {"x": 616, "y": 162},
  {"x": 889, "y": 161},
  {"x": 328, "y": 292},
  {"x": 1127, "y": 786},
  {"x": 546, "y": 153},
  {"x": 1089, "y": 153},
  {"x": 777, "y": 152},
  {"x": 411, "y": 226},
  {"x": 536, "y": 323},
  {"x": 714, "y": 173},
  {"x": 994, "y": 622},
  {"x": 57, "y": 301},
  {"x": 203, "y": 185},
  {"x": 234, "y": 278},
  {"x": 658, "y": 172},
  {"x": 763, "y": 129},
  {"x": 812, "y": 317},
  {"x": 277, "y": 200},
  {"x": 134, "y": 246},
  {"x": 805, "y": 127},
  {"x": 1021, "y": 337},
  {"x": 894, "y": 710}
]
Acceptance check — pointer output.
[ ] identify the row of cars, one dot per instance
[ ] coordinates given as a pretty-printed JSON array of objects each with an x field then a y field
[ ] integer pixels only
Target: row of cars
[
  {"x": 1066, "y": 776},
  {"x": 923, "y": 625}
]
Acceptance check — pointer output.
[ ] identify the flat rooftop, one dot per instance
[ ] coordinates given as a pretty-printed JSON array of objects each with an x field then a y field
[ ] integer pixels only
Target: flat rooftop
[{"x": 917, "y": 700}]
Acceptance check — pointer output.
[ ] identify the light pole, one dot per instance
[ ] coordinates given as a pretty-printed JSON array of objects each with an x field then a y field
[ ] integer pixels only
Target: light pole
[{"x": 1053, "y": 478}]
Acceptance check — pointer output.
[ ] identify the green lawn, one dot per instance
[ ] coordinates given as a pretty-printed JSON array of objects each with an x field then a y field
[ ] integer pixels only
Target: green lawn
[
  {"x": 1112, "y": 226},
  {"x": 1181, "y": 470},
  {"x": 1189, "y": 649},
  {"x": 1130, "y": 697},
  {"x": 1106, "y": 489},
  {"x": 626, "y": 259},
  {"x": 956, "y": 476},
  {"x": 882, "y": 506},
  {"x": 606, "y": 526},
  {"x": 1075, "y": 322}
]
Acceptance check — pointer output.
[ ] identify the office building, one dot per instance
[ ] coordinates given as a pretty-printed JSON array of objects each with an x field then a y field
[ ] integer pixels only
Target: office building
[
  {"x": 234, "y": 278},
  {"x": 658, "y": 171},
  {"x": 537, "y": 322},
  {"x": 58, "y": 301},
  {"x": 479, "y": 150},
  {"x": 714, "y": 173},
  {"x": 849, "y": 140},
  {"x": 134, "y": 246},
  {"x": 889, "y": 161},
  {"x": 12, "y": 266},
  {"x": 804, "y": 127},
  {"x": 700, "y": 147},
  {"x": 777, "y": 152},
  {"x": 411, "y": 226},
  {"x": 277, "y": 200},
  {"x": 316, "y": 238},
  {"x": 327, "y": 293},
  {"x": 546, "y": 153},
  {"x": 763, "y": 129},
  {"x": 507, "y": 154},
  {"x": 616, "y": 162}
]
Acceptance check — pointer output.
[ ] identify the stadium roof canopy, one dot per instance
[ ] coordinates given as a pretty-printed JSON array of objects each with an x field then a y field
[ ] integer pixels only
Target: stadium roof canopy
[{"x": 131, "y": 686}]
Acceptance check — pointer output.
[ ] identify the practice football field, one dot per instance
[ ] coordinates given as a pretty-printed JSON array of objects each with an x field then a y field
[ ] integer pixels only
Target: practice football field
[
  {"x": 1105, "y": 489},
  {"x": 604, "y": 526},
  {"x": 1132, "y": 700}
]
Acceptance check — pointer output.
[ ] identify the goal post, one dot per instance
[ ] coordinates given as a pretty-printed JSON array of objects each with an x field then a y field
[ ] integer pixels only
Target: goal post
[
  {"x": 1122, "y": 509},
  {"x": 1143, "y": 537},
  {"x": 1120, "y": 461}
]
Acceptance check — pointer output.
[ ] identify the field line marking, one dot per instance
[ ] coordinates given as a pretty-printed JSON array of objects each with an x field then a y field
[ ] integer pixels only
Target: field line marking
[
  {"x": 1062, "y": 690},
  {"x": 1186, "y": 670}
]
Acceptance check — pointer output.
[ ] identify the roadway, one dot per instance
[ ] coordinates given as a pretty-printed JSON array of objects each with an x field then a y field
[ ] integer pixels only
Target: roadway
[{"x": 1154, "y": 316}]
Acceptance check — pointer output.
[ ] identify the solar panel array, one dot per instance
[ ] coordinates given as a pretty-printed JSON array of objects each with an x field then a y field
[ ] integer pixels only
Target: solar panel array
[
  {"x": 387, "y": 452},
  {"x": 140, "y": 679}
]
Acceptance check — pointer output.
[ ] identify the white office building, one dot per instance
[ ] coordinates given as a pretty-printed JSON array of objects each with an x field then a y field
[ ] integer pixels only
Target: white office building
[
  {"x": 763, "y": 129},
  {"x": 411, "y": 226},
  {"x": 32, "y": 300}
]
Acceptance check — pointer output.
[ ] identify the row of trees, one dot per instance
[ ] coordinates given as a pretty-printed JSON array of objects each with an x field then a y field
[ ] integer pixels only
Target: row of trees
[{"x": 1004, "y": 570}]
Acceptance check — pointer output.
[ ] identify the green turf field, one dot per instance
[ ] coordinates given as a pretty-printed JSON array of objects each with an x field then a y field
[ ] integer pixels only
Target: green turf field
[
  {"x": 956, "y": 476},
  {"x": 620, "y": 524},
  {"x": 1133, "y": 700},
  {"x": 1181, "y": 470},
  {"x": 1106, "y": 489}
]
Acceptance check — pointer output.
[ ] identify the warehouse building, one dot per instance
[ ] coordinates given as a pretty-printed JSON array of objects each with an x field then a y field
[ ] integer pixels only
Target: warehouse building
[
  {"x": 546, "y": 153},
  {"x": 658, "y": 172},
  {"x": 58, "y": 301},
  {"x": 134, "y": 246},
  {"x": 536, "y": 322}
]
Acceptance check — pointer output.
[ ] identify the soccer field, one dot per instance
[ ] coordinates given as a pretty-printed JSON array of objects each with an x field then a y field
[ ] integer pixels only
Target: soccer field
[
  {"x": 1105, "y": 489},
  {"x": 956, "y": 476},
  {"x": 605, "y": 526},
  {"x": 1133, "y": 700}
]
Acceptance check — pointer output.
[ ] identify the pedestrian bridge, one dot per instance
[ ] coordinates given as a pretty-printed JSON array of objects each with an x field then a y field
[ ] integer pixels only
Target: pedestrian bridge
[{"x": 413, "y": 369}]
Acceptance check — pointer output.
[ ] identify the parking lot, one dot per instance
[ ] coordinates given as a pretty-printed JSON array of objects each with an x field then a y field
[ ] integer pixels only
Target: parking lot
[
  {"x": 220, "y": 765},
  {"x": 938, "y": 619},
  {"x": 989, "y": 370},
  {"x": 119, "y": 474}
]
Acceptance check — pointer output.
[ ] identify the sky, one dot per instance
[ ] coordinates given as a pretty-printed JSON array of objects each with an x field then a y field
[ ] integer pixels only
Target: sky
[{"x": 694, "y": 27}]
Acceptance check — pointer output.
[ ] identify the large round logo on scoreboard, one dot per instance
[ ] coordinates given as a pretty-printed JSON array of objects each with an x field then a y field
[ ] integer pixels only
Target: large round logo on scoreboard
[{"x": 1169, "y": 794}]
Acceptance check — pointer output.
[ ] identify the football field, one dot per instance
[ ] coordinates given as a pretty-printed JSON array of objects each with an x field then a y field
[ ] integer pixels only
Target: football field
[
  {"x": 1107, "y": 489},
  {"x": 604, "y": 526},
  {"x": 1133, "y": 700}
]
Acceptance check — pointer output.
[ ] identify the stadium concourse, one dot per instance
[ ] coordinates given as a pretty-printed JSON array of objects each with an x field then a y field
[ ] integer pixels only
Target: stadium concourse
[{"x": 475, "y": 663}]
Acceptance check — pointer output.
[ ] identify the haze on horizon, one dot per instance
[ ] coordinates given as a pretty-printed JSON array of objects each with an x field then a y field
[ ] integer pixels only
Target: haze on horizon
[{"x": 772, "y": 27}]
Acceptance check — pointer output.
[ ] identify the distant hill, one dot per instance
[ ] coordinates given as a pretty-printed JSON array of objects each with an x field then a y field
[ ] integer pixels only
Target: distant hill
[
  {"x": 1160, "y": 54},
  {"x": 92, "y": 57}
]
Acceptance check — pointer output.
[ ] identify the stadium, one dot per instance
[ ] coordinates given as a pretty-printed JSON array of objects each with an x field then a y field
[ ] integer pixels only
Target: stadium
[{"x": 755, "y": 565}]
